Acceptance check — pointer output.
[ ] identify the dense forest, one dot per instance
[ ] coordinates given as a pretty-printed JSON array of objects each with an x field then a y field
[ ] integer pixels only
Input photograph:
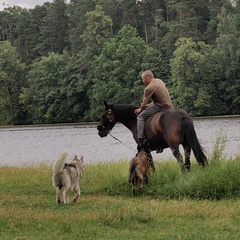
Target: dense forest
[{"x": 61, "y": 60}]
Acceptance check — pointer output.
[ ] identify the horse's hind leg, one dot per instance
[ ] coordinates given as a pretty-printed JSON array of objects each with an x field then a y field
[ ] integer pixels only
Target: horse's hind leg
[
  {"x": 187, "y": 152},
  {"x": 178, "y": 156}
]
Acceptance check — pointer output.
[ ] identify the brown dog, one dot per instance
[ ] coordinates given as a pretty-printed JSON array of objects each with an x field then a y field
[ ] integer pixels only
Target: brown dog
[{"x": 139, "y": 169}]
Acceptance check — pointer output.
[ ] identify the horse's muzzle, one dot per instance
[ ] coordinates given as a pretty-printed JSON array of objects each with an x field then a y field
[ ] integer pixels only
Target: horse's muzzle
[{"x": 102, "y": 132}]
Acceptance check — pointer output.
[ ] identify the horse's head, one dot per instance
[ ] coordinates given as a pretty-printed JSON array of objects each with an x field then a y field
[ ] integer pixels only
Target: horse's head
[{"x": 107, "y": 121}]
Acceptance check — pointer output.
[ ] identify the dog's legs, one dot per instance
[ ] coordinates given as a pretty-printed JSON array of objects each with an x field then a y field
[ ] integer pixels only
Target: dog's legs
[
  {"x": 65, "y": 196},
  {"x": 78, "y": 194},
  {"x": 133, "y": 188},
  {"x": 141, "y": 178},
  {"x": 58, "y": 197},
  {"x": 146, "y": 178}
]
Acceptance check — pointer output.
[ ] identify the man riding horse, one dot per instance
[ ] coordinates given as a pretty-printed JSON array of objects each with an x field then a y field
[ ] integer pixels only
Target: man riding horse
[
  {"x": 157, "y": 92},
  {"x": 168, "y": 128}
]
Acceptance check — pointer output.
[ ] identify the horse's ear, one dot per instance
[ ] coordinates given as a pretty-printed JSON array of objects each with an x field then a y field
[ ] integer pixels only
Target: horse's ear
[{"x": 105, "y": 103}]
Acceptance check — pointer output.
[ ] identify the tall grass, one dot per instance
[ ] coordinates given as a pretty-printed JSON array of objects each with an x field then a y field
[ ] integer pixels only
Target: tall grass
[
  {"x": 219, "y": 146},
  {"x": 217, "y": 181}
]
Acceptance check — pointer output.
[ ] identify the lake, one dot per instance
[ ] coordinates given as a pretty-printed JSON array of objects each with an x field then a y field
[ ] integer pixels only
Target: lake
[{"x": 29, "y": 145}]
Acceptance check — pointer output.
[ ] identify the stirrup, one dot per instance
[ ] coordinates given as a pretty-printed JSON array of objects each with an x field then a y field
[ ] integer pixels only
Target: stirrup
[
  {"x": 146, "y": 147},
  {"x": 142, "y": 142}
]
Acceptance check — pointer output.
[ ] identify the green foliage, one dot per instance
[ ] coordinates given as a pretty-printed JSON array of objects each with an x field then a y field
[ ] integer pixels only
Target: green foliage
[
  {"x": 193, "y": 77},
  {"x": 77, "y": 21},
  {"x": 227, "y": 57},
  {"x": 54, "y": 29},
  {"x": 52, "y": 95},
  {"x": 118, "y": 67},
  {"x": 12, "y": 78},
  {"x": 7, "y": 24},
  {"x": 29, "y": 34},
  {"x": 98, "y": 30},
  {"x": 105, "y": 45}
]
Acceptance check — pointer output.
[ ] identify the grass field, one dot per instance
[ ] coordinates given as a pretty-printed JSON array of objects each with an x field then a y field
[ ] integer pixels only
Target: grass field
[{"x": 202, "y": 204}]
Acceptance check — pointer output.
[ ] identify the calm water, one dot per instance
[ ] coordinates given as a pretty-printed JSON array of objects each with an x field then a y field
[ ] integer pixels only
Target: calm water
[{"x": 34, "y": 145}]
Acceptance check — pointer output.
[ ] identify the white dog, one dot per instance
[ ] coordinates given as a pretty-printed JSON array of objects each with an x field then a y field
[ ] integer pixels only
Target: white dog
[{"x": 66, "y": 177}]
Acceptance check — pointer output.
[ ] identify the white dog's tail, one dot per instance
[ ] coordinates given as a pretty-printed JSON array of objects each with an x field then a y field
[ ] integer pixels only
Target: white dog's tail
[
  {"x": 58, "y": 167},
  {"x": 59, "y": 164}
]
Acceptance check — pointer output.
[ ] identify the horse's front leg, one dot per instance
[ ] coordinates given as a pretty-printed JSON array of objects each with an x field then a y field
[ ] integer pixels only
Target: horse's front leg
[{"x": 151, "y": 163}]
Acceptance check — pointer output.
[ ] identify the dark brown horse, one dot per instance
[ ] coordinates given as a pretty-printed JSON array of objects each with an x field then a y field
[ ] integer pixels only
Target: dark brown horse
[{"x": 170, "y": 128}]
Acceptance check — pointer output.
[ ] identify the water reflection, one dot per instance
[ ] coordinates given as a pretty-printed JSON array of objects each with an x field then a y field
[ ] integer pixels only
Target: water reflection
[{"x": 31, "y": 145}]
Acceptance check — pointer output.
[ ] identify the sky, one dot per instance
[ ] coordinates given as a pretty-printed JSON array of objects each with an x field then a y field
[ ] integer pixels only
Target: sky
[{"x": 22, "y": 3}]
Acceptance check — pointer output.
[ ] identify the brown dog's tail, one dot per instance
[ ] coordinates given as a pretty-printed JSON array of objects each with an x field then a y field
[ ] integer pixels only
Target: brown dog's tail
[{"x": 132, "y": 172}]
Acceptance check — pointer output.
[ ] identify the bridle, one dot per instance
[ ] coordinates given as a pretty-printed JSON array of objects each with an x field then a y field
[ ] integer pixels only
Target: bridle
[{"x": 106, "y": 122}]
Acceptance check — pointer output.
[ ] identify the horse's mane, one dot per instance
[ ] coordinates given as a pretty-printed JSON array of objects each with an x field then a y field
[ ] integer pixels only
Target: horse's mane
[{"x": 124, "y": 111}]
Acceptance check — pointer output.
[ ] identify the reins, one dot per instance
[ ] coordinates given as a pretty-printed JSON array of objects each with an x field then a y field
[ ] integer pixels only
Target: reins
[
  {"x": 108, "y": 132},
  {"x": 121, "y": 142},
  {"x": 126, "y": 145}
]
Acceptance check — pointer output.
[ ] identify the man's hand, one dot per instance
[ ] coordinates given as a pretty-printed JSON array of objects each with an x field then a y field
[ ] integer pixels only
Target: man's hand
[{"x": 137, "y": 111}]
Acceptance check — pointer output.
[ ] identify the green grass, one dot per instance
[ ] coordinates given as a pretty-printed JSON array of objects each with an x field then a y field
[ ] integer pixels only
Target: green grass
[{"x": 201, "y": 204}]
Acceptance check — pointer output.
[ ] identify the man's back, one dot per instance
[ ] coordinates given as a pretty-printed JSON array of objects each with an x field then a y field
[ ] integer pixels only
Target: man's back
[{"x": 159, "y": 94}]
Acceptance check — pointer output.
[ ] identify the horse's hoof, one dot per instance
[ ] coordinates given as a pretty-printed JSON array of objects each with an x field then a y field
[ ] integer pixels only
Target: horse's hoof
[{"x": 185, "y": 168}]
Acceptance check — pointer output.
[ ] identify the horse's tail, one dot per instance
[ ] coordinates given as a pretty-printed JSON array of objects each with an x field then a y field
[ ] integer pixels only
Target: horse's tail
[
  {"x": 132, "y": 172},
  {"x": 191, "y": 137}
]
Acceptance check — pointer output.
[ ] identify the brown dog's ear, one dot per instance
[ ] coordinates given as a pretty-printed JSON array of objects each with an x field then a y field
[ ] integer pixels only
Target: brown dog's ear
[{"x": 106, "y": 105}]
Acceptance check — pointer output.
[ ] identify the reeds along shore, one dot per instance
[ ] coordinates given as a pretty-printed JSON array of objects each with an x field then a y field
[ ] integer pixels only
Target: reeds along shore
[{"x": 220, "y": 180}]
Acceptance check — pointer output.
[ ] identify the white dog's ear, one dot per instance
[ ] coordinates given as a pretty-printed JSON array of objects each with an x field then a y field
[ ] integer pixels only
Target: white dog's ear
[{"x": 81, "y": 158}]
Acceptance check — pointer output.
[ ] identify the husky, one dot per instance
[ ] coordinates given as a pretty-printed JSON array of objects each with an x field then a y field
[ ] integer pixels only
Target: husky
[
  {"x": 67, "y": 177},
  {"x": 139, "y": 170}
]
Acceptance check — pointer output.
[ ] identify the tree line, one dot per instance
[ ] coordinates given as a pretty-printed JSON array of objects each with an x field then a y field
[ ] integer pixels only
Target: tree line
[{"x": 60, "y": 61}]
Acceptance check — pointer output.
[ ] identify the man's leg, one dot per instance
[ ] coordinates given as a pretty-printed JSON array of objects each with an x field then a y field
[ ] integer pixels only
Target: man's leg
[{"x": 141, "y": 118}]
